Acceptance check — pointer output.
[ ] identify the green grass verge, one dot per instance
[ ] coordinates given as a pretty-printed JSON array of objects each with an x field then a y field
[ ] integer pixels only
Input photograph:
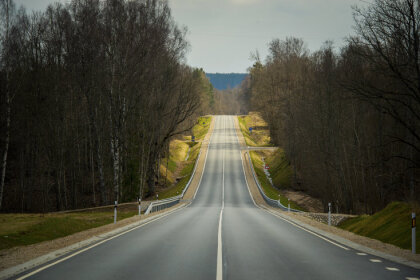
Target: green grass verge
[
  {"x": 26, "y": 229},
  {"x": 258, "y": 138},
  {"x": 185, "y": 173},
  {"x": 391, "y": 225},
  {"x": 201, "y": 128},
  {"x": 280, "y": 170},
  {"x": 268, "y": 189}
]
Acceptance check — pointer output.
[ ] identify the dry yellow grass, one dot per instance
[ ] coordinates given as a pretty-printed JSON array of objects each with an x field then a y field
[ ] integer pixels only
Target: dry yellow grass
[
  {"x": 178, "y": 149},
  {"x": 260, "y": 135}
]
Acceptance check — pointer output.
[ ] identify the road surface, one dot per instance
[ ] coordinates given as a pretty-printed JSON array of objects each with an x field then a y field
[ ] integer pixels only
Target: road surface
[{"x": 222, "y": 235}]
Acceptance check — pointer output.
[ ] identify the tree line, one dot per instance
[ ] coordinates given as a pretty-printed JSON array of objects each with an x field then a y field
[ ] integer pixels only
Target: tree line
[
  {"x": 349, "y": 119},
  {"x": 91, "y": 94}
]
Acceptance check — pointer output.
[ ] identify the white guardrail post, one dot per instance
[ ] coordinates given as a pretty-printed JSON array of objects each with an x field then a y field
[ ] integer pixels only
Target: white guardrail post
[
  {"x": 329, "y": 213},
  {"x": 115, "y": 211},
  {"x": 139, "y": 206},
  {"x": 413, "y": 232}
]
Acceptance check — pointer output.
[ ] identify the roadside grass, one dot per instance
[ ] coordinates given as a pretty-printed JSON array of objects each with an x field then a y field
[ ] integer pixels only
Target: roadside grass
[
  {"x": 178, "y": 150},
  {"x": 186, "y": 173},
  {"x": 258, "y": 137},
  {"x": 26, "y": 229},
  {"x": 268, "y": 189},
  {"x": 280, "y": 170},
  {"x": 200, "y": 129},
  {"x": 391, "y": 225},
  {"x": 177, "y": 153}
]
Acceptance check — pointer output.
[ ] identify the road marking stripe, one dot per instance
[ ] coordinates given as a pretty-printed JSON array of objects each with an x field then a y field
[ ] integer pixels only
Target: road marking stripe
[
  {"x": 392, "y": 268},
  {"x": 92, "y": 246},
  {"x": 412, "y": 278},
  {"x": 311, "y": 232},
  {"x": 219, "y": 269},
  {"x": 362, "y": 254},
  {"x": 375, "y": 260},
  {"x": 219, "y": 274}
]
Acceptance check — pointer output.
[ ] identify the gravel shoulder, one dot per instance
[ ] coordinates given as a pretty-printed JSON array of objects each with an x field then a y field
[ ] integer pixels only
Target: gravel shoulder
[{"x": 314, "y": 220}]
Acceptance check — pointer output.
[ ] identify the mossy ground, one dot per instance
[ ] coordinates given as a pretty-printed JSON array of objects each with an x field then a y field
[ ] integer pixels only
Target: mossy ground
[{"x": 390, "y": 225}]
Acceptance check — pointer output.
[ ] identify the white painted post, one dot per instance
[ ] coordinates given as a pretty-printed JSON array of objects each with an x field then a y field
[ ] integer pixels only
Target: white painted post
[
  {"x": 288, "y": 205},
  {"x": 329, "y": 213},
  {"x": 139, "y": 206},
  {"x": 413, "y": 232},
  {"x": 115, "y": 211}
]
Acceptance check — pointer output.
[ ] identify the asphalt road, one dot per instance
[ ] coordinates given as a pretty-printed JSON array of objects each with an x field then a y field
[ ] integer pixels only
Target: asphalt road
[{"x": 222, "y": 234}]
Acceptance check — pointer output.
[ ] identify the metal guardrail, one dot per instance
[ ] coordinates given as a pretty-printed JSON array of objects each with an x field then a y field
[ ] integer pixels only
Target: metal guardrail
[
  {"x": 159, "y": 205},
  {"x": 271, "y": 202}
]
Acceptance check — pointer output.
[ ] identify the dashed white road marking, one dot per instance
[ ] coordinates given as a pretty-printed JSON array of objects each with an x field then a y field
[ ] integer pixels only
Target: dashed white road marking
[
  {"x": 375, "y": 260},
  {"x": 412, "y": 278},
  {"x": 362, "y": 254},
  {"x": 392, "y": 268}
]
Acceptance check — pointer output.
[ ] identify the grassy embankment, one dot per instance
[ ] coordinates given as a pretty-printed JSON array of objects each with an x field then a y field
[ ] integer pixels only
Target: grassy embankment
[
  {"x": 26, "y": 229},
  {"x": 260, "y": 136},
  {"x": 391, "y": 225},
  {"x": 280, "y": 170},
  {"x": 178, "y": 153},
  {"x": 268, "y": 189}
]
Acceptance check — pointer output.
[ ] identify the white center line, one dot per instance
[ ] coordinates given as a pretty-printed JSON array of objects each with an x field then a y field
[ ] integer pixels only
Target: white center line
[
  {"x": 392, "y": 269},
  {"x": 375, "y": 260},
  {"x": 219, "y": 273},
  {"x": 412, "y": 278},
  {"x": 362, "y": 254}
]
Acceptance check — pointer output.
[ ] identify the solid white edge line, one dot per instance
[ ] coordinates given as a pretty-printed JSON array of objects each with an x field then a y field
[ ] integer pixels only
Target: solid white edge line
[
  {"x": 94, "y": 245},
  {"x": 292, "y": 223}
]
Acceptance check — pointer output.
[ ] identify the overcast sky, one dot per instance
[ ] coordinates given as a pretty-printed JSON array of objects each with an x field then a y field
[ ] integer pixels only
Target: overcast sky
[{"x": 223, "y": 33}]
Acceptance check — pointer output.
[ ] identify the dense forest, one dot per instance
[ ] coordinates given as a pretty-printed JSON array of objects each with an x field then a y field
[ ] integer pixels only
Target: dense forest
[
  {"x": 349, "y": 118},
  {"x": 91, "y": 94},
  {"x": 225, "y": 81}
]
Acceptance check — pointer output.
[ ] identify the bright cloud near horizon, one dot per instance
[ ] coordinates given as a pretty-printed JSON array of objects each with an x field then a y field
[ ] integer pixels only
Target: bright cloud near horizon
[{"x": 223, "y": 33}]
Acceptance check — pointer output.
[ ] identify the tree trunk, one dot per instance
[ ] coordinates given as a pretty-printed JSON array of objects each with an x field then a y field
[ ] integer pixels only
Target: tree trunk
[
  {"x": 6, "y": 140},
  {"x": 8, "y": 113}
]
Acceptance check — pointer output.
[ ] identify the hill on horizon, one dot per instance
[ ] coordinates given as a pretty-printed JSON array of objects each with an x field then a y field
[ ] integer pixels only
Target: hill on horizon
[{"x": 222, "y": 81}]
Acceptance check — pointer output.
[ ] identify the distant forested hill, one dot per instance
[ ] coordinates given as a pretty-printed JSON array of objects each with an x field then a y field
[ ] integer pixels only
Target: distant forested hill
[{"x": 223, "y": 81}]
